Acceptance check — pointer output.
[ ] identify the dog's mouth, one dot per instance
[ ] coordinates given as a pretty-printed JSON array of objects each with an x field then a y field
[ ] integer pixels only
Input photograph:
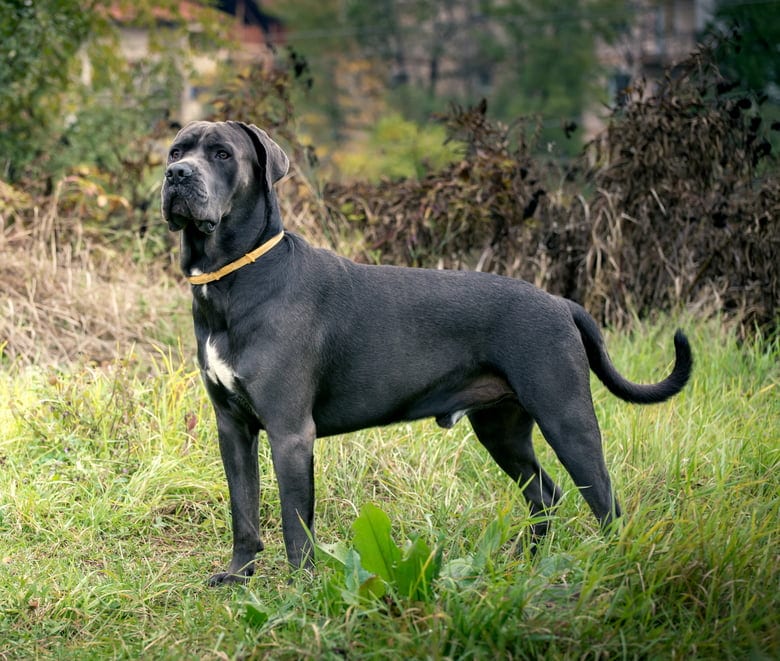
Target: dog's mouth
[
  {"x": 206, "y": 226},
  {"x": 179, "y": 212}
]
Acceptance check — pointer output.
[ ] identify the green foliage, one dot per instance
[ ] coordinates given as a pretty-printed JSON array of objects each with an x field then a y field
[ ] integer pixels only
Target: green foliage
[
  {"x": 398, "y": 149},
  {"x": 38, "y": 45},
  {"x": 377, "y": 564},
  {"x": 72, "y": 103},
  {"x": 752, "y": 59},
  {"x": 543, "y": 78},
  {"x": 427, "y": 54},
  {"x": 373, "y": 541}
]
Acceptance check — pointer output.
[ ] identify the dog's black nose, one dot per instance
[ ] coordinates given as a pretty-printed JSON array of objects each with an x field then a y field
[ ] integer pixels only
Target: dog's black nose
[{"x": 178, "y": 172}]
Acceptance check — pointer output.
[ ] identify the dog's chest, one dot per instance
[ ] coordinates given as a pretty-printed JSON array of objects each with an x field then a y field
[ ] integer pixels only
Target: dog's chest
[
  {"x": 201, "y": 291},
  {"x": 215, "y": 356},
  {"x": 215, "y": 363}
]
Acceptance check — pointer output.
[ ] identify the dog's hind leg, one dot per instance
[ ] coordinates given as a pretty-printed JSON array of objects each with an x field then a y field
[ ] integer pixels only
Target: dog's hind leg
[
  {"x": 555, "y": 390},
  {"x": 568, "y": 423},
  {"x": 505, "y": 431},
  {"x": 577, "y": 443}
]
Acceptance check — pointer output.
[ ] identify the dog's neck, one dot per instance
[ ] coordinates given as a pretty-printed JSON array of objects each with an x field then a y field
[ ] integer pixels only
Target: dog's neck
[{"x": 207, "y": 253}]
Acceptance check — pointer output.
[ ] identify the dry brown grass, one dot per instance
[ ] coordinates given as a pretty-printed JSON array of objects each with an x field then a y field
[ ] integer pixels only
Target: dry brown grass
[
  {"x": 66, "y": 297},
  {"x": 71, "y": 293}
]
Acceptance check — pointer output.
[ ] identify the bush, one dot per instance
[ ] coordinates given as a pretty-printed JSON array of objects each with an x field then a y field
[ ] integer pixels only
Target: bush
[
  {"x": 686, "y": 208},
  {"x": 676, "y": 204},
  {"x": 38, "y": 42}
]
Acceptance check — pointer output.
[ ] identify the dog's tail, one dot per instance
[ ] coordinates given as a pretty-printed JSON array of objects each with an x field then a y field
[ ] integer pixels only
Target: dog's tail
[{"x": 617, "y": 384}]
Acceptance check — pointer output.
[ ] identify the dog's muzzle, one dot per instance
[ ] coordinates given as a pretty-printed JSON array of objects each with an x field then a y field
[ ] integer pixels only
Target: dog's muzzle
[{"x": 183, "y": 195}]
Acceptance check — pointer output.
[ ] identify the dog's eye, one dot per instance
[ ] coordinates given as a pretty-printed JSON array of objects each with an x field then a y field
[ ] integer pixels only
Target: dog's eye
[
  {"x": 174, "y": 155},
  {"x": 221, "y": 154}
]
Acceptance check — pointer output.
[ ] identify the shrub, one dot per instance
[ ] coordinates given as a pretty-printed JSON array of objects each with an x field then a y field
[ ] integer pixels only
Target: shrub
[
  {"x": 686, "y": 208},
  {"x": 676, "y": 204}
]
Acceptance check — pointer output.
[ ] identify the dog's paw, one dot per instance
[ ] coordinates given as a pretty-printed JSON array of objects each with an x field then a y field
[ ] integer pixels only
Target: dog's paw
[{"x": 226, "y": 578}]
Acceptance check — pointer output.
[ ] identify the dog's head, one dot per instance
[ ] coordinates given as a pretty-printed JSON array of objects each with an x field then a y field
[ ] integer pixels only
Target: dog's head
[{"x": 219, "y": 170}]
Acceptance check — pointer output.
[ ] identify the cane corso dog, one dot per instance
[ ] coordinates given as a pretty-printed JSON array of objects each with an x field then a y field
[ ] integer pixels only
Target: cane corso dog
[{"x": 302, "y": 343}]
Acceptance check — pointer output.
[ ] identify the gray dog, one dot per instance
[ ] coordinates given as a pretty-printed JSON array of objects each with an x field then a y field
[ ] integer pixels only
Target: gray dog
[{"x": 302, "y": 343}]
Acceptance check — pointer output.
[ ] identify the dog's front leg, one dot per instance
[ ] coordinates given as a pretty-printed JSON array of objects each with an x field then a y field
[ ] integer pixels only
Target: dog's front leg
[
  {"x": 238, "y": 447},
  {"x": 292, "y": 453}
]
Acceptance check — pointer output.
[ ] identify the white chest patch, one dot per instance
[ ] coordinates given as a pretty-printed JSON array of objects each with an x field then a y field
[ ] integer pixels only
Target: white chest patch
[
  {"x": 217, "y": 369},
  {"x": 202, "y": 289}
]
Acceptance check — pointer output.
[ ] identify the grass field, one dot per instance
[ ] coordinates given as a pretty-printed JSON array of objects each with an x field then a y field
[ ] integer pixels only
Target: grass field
[{"x": 114, "y": 511}]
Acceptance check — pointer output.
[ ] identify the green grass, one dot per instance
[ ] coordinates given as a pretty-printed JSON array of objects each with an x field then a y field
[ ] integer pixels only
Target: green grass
[{"x": 114, "y": 511}]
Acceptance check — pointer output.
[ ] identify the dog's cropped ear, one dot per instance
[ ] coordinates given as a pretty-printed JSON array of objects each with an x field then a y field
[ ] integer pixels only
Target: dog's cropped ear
[{"x": 269, "y": 154}]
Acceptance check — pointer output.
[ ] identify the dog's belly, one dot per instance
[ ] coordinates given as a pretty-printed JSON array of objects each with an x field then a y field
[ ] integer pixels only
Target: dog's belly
[
  {"x": 448, "y": 406},
  {"x": 448, "y": 401}
]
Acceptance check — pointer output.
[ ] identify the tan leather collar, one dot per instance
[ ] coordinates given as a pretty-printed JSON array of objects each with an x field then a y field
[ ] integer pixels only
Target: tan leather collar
[{"x": 204, "y": 278}]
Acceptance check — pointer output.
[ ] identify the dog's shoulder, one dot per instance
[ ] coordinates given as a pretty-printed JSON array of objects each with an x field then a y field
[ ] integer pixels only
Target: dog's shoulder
[{"x": 321, "y": 261}]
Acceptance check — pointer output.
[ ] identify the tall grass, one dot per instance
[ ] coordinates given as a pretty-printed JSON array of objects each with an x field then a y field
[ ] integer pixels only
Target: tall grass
[{"x": 114, "y": 510}]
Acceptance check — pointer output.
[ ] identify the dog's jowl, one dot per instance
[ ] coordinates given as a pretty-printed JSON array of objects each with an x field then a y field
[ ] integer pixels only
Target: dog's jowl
[{"x": 302, "y": 343}]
